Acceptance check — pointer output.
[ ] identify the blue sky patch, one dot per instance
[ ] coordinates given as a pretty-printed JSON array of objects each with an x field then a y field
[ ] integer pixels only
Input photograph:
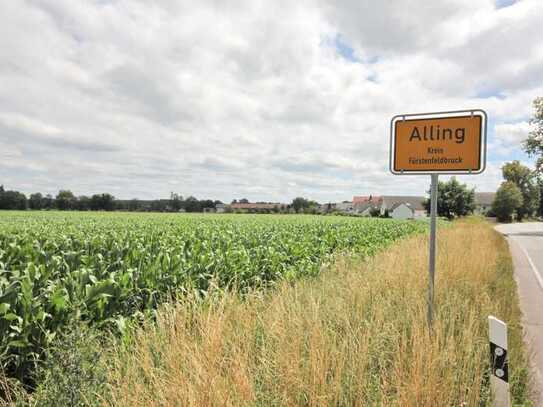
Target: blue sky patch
[
  {"x": 504, "y": 3},
  {"x": 490, "y": 93},
  {"x": 344, "y": 49}
]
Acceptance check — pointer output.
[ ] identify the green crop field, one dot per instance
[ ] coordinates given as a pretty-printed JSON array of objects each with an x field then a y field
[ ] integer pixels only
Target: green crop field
[{"x": 57, "y": 267}]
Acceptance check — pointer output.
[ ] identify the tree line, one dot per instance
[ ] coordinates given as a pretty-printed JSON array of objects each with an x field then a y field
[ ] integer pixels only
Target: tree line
[
  {"x": 521, "y": 193},
  {"x": 65, "y": 200},
  {"x": 520, "y": 196}
]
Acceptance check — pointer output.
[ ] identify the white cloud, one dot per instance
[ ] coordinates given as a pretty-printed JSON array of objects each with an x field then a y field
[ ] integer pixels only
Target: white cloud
[
  {"x": 250, "y": 98},
  {"x": 509, "y": 137},
  {"x": 512, "y": 133},
  {"x": 8, "y": 152},
  {"x": 22, "y": 123}
]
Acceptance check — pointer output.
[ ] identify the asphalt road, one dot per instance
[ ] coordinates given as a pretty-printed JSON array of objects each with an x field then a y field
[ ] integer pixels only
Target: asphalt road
[{"x": 526, "y": 245}]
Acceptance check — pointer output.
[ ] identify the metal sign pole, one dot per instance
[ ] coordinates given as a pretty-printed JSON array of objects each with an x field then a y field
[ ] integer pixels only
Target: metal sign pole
[{"x": 432, "y": 263}]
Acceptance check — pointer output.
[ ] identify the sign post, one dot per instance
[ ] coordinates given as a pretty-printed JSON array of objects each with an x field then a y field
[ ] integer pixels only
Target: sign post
[
  {"x": 432, "y": 254},
  {"x": 437, "y": 143}
]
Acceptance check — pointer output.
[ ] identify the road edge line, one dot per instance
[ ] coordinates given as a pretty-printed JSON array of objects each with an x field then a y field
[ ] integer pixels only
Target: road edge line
[
  {"x": 532, "y": 266},
  {"x": 535, "y": 384}
]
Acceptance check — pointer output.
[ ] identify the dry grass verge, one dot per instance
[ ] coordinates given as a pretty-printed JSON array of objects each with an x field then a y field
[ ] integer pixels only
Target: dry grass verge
[{"x": 356, "y": 335}]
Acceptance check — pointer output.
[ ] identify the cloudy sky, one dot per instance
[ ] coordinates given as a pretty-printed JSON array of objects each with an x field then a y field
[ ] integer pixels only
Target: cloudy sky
[{"x": 259, "y": 99}]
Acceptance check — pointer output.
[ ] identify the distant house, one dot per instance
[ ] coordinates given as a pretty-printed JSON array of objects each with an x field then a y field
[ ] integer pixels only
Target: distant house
[
  {"x": 366, "y": 209},
  {"x": 412, "y": 203},
  {"x": 327, "y": 207},
  {"x": 220, "y": 208},
  {"x": 364, "y": 204},
  {"x": 402, "y": 210},
  {"x": 483, "y": 202},
  {"x": 345, "y": 206}
]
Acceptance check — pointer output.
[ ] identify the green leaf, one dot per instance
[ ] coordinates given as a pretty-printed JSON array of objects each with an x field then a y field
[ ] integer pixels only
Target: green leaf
[
  {"x": 12, "y": 317},
  {"x": 18, "y": 344},
  {"x": 4, "y": 307},
  {"x": 59, "y": 300}
]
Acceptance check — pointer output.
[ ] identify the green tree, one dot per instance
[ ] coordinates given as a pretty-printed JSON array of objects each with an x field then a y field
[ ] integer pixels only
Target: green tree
[
  {"x": 176, "y": 202},
  {"x": 35, "y": 201},
  {"x": 96, "y": 202},
  {"x": 48, "y": 202},
  {"x": 134, "y": 205},
  {"x": 525, "y": 179},
  {"x": 206, "y": 203},
  {"x": 102, "y": 202},
  {"x": 508, "y": 199},
  {"x": 192, "y": 204},
  {"x": 108, "y": 202},
  {"x": 540, "y": 186},
  {"x": 83, "y": 203},
  {"x": 453, "y": 199},
  {"x": 65, "y": 200},
  {"x": 12, "y": 199},
  {"x": 534, "y": 143},
  {"x": 299, "y": 203},
  {"x": 160, "y": 205}
]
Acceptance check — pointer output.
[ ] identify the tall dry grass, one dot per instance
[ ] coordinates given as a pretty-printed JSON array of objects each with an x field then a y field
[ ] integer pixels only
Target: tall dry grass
[{"x": 356, "y": 335}]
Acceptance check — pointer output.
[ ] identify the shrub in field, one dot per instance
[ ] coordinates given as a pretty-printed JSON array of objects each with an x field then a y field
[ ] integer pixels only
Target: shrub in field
[
  {"x": 73, "y": 373},
  {"x": 103, "y": 268}
]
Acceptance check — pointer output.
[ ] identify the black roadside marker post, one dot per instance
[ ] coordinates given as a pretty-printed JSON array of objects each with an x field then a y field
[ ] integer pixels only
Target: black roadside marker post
[
  {"x": 499, "y": 363},
  {"x": 432, "y": 144}
]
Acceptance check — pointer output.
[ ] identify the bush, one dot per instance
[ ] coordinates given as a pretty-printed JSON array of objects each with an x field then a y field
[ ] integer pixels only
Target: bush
[
  {"x": 508, "y": 198},
  {"x": 72, "y": 374},
  {"x": 453, "y": 199}
]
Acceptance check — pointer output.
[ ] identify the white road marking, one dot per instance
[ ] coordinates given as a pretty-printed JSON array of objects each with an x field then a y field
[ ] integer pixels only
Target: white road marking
[{"x": 532, "y": 265}]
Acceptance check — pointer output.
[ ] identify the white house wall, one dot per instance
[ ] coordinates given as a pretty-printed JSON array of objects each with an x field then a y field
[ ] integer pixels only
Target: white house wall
[
  {"x": 402, "y": 212},
  {"x": 421, "y": 214}
]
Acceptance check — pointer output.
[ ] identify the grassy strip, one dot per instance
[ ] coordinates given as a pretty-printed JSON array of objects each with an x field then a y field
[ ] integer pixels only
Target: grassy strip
[{"x": 354, "y": 335}]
